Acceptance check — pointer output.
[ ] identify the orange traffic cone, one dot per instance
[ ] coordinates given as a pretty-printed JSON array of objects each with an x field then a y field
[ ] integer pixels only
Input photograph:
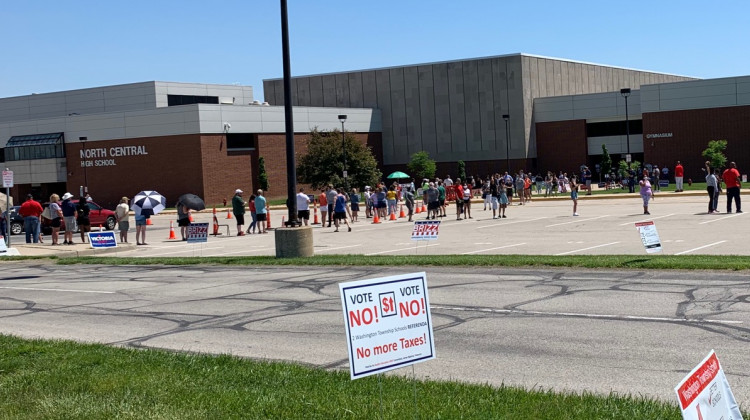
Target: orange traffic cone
[
  {"x": 268, "y": 218},
  {"x": 214, "y": 210},
  {"x": 402, "y": 214},
  {"x": 424, "y": 208},
  {"x": 418, "y": 209},
  {"x": 191, "y": 218},
  {"x": 149, "y": 222},
  {"x": 316, "y": 221},
  {"x": 216, "y": 224},
  {"x": 229, "y": 214},
  {"x": 393, "y": 216},
  {"x": 376, "y": 219},
  {"x": 171, "y": 230}
]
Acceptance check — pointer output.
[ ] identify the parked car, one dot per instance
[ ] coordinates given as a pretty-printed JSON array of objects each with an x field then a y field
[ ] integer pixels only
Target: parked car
[
  {"x": 98, "y": 215},
  {"x": 16, "y": 221}
]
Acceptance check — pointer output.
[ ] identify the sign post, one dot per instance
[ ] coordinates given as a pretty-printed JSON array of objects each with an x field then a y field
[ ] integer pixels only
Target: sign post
[
  {"x": 7, "y": 184},
  {"x": 388, "y": 323}
]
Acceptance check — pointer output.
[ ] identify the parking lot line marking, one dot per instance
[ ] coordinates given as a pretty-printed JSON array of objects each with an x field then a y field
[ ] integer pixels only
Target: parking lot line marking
[
  {"x": 157, "y": 254},
  {"x": 244, "y": 251},
  {"x": 646, "y": 220},
  {"x": 721, "y": 218},
  {"x": 338, "y": 247},
  {"x": 56, "y": 290},
  {"x": 586, "y": 249},
  {"x": 700, "y": 247},
  {"x": 396, "y": 250},
  {"x": 498, "y": 224},
  {"x": 492, "y": 249},
  {"x": 583, "y": 315},
  {"x": 577, "y": 220}
]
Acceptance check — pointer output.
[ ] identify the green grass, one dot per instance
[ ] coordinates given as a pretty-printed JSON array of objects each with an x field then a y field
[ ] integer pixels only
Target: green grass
[
  {"x": 660, "y": 262},
  {"x": 65, "y": 380}
]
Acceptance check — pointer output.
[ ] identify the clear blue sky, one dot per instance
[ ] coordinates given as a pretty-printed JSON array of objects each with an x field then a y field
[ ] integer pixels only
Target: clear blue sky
[{"x": 49, "y": 46}]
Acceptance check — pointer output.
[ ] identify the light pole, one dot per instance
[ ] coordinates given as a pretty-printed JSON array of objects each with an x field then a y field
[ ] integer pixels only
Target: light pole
[
  {"x": 85, "y": 163},
  {"x": 625, "y": 92},
  {"x": 506, "y": 117},
  {"x": 342, "y": 118}
]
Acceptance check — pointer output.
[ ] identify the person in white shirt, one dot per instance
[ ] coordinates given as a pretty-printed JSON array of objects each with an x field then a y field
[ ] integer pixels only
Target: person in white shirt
[
  {"x": 303, "y": 206},
  {"x": 447, "y": 182}
]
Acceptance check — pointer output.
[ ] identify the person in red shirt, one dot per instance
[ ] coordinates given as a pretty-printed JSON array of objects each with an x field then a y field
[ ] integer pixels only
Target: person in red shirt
[
  {"x": 731, "y": 177},
  {"x": 679, "y": 172},
  {"x": 30, "y": 211}
]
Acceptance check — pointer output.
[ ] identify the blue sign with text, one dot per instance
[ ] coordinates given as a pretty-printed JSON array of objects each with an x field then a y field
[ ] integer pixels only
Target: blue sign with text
[{"x": 102, "y": 239}]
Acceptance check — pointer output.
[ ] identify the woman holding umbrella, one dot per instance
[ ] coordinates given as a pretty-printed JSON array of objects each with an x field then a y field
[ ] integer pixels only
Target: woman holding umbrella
[
  {"x": 183, "y": 219},
  {"x": 145, "y": 204}
]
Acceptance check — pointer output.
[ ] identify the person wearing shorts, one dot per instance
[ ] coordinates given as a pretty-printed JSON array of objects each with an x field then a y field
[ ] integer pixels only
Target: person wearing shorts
[
  {"x": 354, "y": 203},
  {"x": 141, "y": 221},
  {"x": 238, "y": 208},
  {"x": 458, "y": 189},
  {"x": 339, "y": 210},
  {"x": 69, "y": 216},
  {"x": 303, "y": 206},
  {"x": 261, "y": 212},
  {"x": 122, "y": 213},
  {"x": 183, "y": 219},
  {"x": 83, "y": 220},
  {"x": 574, "y": 194}
]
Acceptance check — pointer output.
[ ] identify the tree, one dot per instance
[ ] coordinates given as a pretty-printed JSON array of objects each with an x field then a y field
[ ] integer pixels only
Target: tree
[
  {"x": 624, "y": 167},
  {"x": 324, "y": 162},
  {"x": 462, "y": 170},
  {"x": 262, "y": 175},
  {"x": 714, "y": 153},
  {"x": 421, "y": 166},
  {"x": 606, "y": 164}
]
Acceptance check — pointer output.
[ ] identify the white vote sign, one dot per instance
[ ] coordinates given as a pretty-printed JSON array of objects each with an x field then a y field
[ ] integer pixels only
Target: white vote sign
[
  {"x": 388, "y": 323},
  {"x": 705, "y": 393},
  {"x": 649, "y": 236}
]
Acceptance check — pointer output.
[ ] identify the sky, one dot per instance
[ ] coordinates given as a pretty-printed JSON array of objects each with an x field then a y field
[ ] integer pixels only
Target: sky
[{"x": 49, "y": 46}]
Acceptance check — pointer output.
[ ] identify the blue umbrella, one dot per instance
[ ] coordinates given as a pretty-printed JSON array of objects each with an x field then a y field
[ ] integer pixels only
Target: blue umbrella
[{"x": 148, "y": 203}]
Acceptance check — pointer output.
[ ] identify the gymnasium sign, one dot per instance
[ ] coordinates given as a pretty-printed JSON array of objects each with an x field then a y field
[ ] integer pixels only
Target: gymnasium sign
[{"x": 105, "y": 156}]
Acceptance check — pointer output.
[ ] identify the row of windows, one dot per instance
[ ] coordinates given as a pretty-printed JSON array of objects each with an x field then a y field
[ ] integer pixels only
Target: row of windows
[
  {"x": 34, "y": 152},
  {"x": 613, "y": 128},
  {"x": 174, "y": 100}
]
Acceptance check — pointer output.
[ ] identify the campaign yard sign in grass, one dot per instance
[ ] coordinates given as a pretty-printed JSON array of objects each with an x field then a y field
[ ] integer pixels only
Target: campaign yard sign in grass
[
  {"x": 705, "y": 393},
  {"x": 104, "y": 239},
  {"x": 197, "y": 232},
  {"x": 388, "y": 323}
]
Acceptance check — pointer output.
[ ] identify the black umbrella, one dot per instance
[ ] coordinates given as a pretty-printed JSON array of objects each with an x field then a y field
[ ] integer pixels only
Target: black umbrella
[{"x": 192, "y": 201}]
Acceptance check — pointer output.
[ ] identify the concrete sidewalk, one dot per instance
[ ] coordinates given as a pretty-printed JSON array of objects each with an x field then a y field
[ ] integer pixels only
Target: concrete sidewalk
[{"x": 63, "y": 251}]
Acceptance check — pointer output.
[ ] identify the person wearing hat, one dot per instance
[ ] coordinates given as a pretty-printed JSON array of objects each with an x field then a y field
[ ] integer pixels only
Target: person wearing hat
[
  {"x": 70, "y": 213},
  {"x": 122, "y": 213},
  {"x": 238, "y": 208}
]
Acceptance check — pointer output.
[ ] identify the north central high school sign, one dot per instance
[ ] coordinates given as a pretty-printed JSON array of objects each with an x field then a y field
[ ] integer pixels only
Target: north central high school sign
[{"x": 101, "y": 156}]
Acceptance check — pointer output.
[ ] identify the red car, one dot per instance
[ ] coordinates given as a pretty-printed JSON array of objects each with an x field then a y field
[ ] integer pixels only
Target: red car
[{"x": 98, "y": 216}]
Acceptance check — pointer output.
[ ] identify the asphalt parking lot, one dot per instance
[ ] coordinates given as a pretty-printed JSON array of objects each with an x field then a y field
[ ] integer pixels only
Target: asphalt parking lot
[{"x": 543, "y": 227}]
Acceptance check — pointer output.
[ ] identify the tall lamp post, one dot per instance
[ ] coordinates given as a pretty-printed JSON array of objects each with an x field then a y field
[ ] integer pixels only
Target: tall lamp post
[
  {"x": 625, "y": 92},
  {"x": 342, "y": 118},
  {"x": 506, "y": 117},
  {"x": 85, "y": 164}
]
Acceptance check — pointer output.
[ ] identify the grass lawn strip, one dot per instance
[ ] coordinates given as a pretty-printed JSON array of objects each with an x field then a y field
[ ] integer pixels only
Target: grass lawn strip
[{"x": 60, "y": 379}]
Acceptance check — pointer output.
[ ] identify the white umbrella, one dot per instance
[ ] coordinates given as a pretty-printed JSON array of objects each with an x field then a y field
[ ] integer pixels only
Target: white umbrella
[{"x": 148, "y": 203}]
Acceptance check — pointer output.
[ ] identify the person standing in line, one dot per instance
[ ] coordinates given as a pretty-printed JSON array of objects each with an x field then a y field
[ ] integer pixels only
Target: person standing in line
[
  {"x": 390, "y": 198},
  {"x": 494, "y": 185},
  {"x": 679, "y": 172},
  {"x": 441, "y": 199},
  {"x": 238, "y": 208},
  {"x": 331, "y": 199},
  {"x": 253, "y": 214},
  {"x": 261, "y": 211},
  {"x": 486, "y": 197},
  {"x": 467, "y": 201},
  {"x": 409, "y": 200},
  {"x": 323, "y": 201},
  {"x": 56, "y": 216},
  {"x": 447, "y": 182},
  {"x": 303, "y": 206},
  {"x": 731, "y": 177},
  {"x": 69, "y": 217},
  {"x": 574, "y": 194},
  {"x": 31, "y": 210},
  {"x": 459, "y": 190},
  {"x": 340, "y": 210},
  {"x": 432, "y": 201},
  {"x": 646, "y": 192},
  {"x": 586, "y": 177},
  {"x": 519, "y": 188},
  {"x": 83, "y": 220},
  {"x": 655, "y": 178},
  {"x": 711, "y": 188},
  {"x": 354, "y": 200},
  {"x": 122, "y": 215},
  {"x": 141, "y": 221},
  {"x": 183, "y": 218}
]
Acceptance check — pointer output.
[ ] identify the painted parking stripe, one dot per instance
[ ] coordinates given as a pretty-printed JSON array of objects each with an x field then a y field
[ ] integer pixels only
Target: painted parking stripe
[
  {"x": 646, "y": 220},
  {"x": 577, "y": 220},
  {"x": 492, "y": 249},
  {"x": 586, "y": 249},
  {"x": 700, "y": 247},
  {"x": 158, "y": 254},
  {"x": 339, "y": 247},
  {"x": 396, "y": 250},
  {"x": 503, "y": 223},
  {"x": 57, "y": 290},
  {"x": 728, "y": 216}
]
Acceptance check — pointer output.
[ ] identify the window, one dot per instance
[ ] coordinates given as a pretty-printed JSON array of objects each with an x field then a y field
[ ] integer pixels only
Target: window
[
  {"x": 175, "y": 100},
  {"x": 613, "y": 128},
  {"x": 35, "y": 146},
  {"x": 241, "y": 141}
]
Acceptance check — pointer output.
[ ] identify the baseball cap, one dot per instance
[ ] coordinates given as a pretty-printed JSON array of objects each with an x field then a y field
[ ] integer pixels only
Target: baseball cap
[{"x": 238, "y": 191}]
